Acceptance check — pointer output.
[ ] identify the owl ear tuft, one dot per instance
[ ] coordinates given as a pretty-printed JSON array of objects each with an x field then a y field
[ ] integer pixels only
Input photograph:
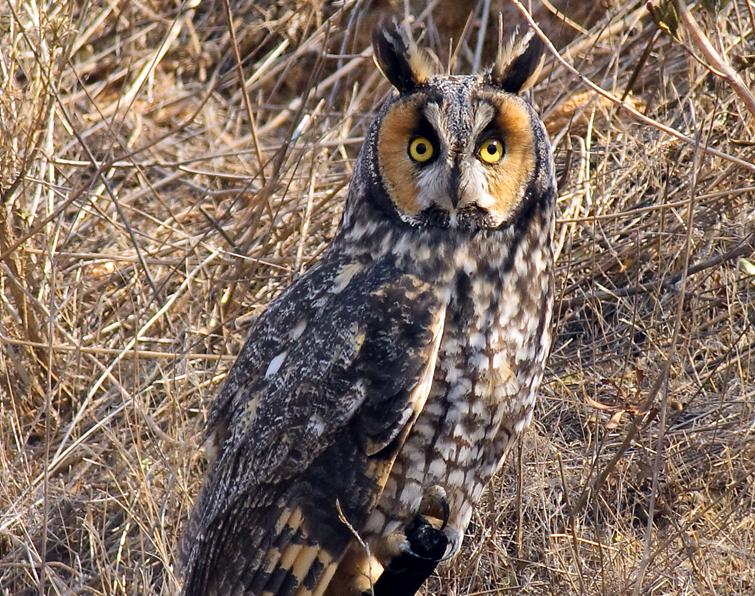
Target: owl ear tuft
[
  {"x": 399, "y": 59},
  {"x": 518, "y": 65}
]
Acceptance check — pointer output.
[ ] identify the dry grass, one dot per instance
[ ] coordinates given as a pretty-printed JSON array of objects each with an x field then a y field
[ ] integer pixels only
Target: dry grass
[{"x": 142, "y": 229}]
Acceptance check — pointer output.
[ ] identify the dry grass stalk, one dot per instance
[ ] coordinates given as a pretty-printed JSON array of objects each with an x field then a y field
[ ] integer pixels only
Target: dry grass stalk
[{"x": 717, "y": 63}]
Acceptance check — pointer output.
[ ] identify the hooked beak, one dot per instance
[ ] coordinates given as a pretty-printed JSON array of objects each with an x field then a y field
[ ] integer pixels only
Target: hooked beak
[{"x": 454, "y": 185}]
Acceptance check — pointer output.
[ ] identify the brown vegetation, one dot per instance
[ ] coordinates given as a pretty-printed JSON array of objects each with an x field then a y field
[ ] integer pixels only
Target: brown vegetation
[{"x": 150, "y": 206}]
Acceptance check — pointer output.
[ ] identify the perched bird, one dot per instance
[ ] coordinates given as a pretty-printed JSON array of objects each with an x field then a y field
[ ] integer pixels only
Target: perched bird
[{"x": 377, "y": 396}]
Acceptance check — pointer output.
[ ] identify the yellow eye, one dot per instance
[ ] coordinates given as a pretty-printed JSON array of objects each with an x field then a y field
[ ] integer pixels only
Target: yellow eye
[
  {"x": 491, "y": 150},
  {"x": 421, "y": 149}
]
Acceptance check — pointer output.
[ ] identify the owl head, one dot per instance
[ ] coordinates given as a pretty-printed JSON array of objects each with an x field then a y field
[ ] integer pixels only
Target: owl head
[{"x": 462, "y": 152}]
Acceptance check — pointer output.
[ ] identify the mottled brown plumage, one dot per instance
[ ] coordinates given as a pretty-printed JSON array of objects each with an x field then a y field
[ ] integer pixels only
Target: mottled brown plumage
[{"x": 386, "y": 385}]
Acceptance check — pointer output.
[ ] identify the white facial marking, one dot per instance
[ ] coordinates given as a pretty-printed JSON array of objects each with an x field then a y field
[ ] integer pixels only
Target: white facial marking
[{"x": 431, "y": 185}]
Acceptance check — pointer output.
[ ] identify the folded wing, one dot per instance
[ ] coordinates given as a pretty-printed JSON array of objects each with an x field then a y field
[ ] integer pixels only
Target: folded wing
[{"x": 307, "y": 427}]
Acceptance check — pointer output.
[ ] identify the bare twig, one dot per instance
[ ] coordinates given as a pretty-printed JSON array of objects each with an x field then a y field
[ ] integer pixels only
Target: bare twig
[
  {"x": 670, "y": 282},
  {"x": 640, "y": 117},
  {"x": 722, "y": 68},
  {"x": 244, "y": 91}
]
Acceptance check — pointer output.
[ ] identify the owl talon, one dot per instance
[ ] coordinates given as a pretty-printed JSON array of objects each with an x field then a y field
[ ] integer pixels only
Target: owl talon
[
  {"x": 426, "y": 542},
  {"x": 425, "y": 547},
  {"x": 435, "y": 504}
]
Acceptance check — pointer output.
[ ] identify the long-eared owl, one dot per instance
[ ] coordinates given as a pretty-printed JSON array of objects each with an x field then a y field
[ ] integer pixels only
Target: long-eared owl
[{"x": 387, "y": 384}]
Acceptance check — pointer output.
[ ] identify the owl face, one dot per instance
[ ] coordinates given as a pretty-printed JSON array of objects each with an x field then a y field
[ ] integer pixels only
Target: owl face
[{"x": 455, "y": 152}]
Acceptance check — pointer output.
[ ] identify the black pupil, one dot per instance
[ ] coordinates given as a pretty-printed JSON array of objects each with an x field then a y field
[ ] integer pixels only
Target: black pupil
[
  {"x": 492, "y": 148},
  {"x": 421, "y": 148}
]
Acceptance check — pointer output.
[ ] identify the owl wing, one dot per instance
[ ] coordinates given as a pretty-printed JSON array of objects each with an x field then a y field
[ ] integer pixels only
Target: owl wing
[{"x": 308, "y": 425}]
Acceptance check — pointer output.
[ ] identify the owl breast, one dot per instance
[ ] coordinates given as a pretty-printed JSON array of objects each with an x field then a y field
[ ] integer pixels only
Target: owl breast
[{"x": 490, "y": 362}]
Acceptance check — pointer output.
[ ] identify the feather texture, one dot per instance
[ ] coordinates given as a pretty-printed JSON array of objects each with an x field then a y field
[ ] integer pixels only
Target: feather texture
[
  {"x": 382, "y": 390},
  {"x": 332, "y": 415}
]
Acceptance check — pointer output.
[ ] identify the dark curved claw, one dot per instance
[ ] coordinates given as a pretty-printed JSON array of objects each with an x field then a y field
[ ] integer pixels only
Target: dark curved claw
[
  {"x": 408, "y": 571},
  {"x": 435, "y": 504},
  {"x": 426, "y": 541}
]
